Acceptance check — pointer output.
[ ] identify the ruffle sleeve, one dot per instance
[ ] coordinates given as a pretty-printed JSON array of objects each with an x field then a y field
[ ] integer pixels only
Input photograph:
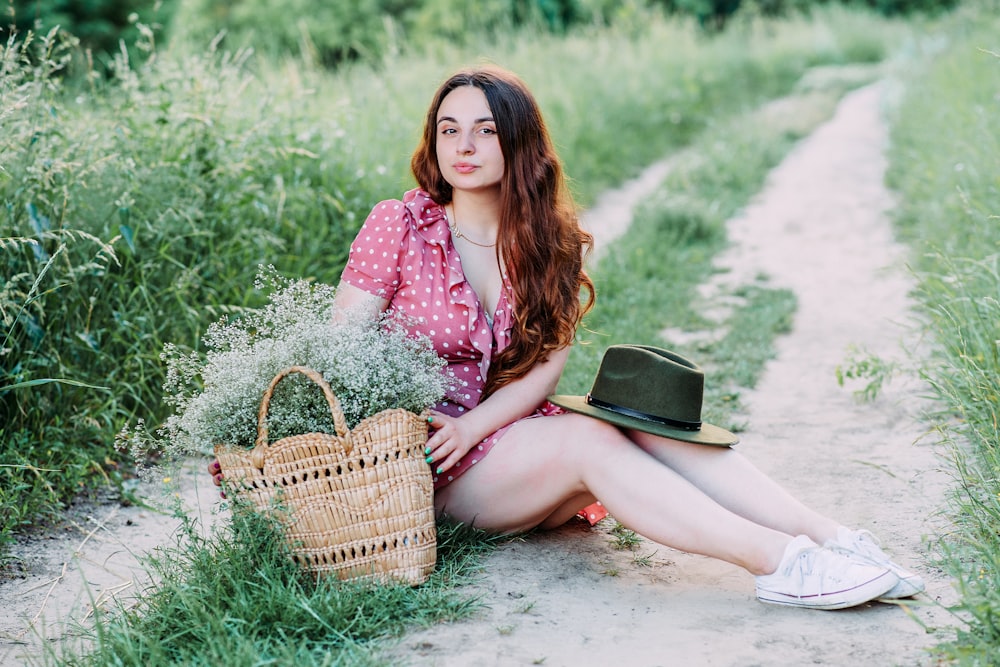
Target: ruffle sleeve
[{"x": 386, "y": 236}]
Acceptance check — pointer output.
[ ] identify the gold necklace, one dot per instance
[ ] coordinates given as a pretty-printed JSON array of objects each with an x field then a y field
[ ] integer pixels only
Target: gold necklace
[{"x": 453, "y": 226}]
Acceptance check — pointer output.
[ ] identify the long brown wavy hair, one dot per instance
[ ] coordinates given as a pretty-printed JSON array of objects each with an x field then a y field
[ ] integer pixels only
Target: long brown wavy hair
[{"x": 539, "y": 235}]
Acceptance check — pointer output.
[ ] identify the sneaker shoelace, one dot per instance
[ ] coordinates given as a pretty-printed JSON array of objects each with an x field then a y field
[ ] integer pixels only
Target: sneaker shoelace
[
  {"x": 864, "y": 544},
  {"x": 805, "y": 564}
]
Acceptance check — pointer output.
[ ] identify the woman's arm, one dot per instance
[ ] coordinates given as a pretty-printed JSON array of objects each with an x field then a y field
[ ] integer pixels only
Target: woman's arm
[
  {"x": 351, "y": 301},
  {"x": 455, "y": 436}
]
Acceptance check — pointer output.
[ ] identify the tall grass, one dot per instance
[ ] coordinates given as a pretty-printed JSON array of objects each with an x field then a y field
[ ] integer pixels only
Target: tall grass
[{"x": 944, "y": 165}]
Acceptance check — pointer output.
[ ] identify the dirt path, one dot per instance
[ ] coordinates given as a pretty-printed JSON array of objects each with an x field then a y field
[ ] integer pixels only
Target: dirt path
[
  {"x": 92, "y": 557},
  {"x": 568, "y": 597}
]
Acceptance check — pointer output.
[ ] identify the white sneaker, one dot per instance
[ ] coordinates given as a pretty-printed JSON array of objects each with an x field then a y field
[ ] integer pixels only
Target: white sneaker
[
  {"x": 865, "y": 546},
  {"x": 818, "y": 578}
]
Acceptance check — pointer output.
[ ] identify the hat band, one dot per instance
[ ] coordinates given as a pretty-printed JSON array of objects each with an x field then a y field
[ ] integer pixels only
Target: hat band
[{"x": 629, "y": 412}]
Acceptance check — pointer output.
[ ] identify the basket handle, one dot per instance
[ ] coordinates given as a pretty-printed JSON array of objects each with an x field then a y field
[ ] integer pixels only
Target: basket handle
[{"x": 339, "y": 423}]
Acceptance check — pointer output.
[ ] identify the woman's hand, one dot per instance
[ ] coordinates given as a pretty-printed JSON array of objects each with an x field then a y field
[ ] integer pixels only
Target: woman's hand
[
  {"x": 454, "y": 437},
  {"x": 449, "y": 442},
  {"x": 215, "y": 470}
]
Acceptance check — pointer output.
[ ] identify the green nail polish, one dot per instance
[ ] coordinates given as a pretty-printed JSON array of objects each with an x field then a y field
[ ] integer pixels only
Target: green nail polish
[
  {"x": 430, "y": 420},
  {"x": 427, "y": 451},
  {"x": 439, "y": 471},
  {"x": 430, "y": 460}
]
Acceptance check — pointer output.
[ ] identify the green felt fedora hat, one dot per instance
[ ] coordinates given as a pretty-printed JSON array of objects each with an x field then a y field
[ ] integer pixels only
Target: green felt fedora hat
[{"x": 649, "y": 389}]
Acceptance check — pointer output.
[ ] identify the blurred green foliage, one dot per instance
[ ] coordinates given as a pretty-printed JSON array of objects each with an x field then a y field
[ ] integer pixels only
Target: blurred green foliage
[
  {"x": 340, "y": 30},
  {"x": 102, "y": 26},
  {"x": 336, "y": 31},
  {"x": 715, "y": 15},
  {"x": 324, "y": 32},
  {"x": 333, "y": 32}
]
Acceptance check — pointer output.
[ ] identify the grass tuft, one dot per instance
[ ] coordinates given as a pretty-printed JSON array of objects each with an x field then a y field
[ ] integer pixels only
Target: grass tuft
[{"x": 235, "y": 597}]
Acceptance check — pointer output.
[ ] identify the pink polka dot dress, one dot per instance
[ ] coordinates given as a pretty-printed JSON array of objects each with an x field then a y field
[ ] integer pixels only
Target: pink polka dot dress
[{"x": 404, "y": 253}]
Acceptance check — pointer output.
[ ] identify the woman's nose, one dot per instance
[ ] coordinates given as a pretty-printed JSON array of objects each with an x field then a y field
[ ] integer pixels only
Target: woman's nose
[{"x": 466, "y": 145}]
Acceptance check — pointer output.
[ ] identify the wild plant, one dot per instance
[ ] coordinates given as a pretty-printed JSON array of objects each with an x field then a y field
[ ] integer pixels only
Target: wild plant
[
  {"x": 371, "y": 365},
  {"x": 963, "y": 307},
  {"x": 136, "y": 210}
]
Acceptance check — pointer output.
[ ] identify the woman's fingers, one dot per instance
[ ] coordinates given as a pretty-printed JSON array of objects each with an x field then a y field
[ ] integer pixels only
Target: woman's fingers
[
  {"x": 445, "y": 446},
  {"x": 448, "y": 463},
  {"x": 439, "y": 444},
  {"x": 436, "y": 438},
  {"x": 215, "y": 470},
  {"x": 435, "y": 420}
]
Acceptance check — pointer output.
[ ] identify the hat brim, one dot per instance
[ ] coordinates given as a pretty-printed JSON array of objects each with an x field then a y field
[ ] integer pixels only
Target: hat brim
[{"x": 706, "y": 435}]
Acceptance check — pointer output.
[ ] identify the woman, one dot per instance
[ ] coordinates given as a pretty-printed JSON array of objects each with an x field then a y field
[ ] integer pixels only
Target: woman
[{"x": 487, "y": 254}]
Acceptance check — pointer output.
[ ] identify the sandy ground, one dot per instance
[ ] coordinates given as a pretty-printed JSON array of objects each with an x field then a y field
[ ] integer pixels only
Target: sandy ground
[{"x": 568, "y": 597}]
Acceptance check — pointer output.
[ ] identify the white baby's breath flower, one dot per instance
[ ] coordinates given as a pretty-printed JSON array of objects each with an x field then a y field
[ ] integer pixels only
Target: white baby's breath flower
[{"x": 371, "y": 366}]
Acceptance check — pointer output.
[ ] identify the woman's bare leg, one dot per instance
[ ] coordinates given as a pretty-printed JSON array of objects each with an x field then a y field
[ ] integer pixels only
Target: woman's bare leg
[
  {"x": 544, "y": 467},
  {"x": 734, "y": 482}
]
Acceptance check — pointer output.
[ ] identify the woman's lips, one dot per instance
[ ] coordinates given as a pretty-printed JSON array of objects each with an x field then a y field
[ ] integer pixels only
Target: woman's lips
[{"x": 464, "y": 167}]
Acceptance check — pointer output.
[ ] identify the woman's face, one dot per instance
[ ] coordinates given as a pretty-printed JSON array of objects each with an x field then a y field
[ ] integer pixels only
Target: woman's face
[{"x": 468, "y": 148}]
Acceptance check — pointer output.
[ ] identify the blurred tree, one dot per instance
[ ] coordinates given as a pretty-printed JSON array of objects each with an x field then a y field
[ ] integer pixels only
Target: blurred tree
[
  {"x": 333, "y": 31},
  {"x": 894, "y": 7},
  {"x": 714, "y": 15},
  {"x": 98, "y": 24}
]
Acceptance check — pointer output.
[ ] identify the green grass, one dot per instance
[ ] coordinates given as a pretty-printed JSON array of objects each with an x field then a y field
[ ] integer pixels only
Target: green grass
[
  {"x": 235, "y": 597},
  {"x": 624, "y": 538},
  {"x": 944, "y": 167}
]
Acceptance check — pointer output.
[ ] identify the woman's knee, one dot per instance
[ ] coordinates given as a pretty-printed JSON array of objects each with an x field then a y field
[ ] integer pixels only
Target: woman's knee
[{"x": 599, "y": 437}]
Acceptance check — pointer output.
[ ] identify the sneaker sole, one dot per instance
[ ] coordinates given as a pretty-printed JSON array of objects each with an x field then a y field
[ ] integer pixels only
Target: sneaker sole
[
  {"x": 909, "y": 583},
  {"x": 851, "y": 597},
  {"x": 904, "y": 589}
]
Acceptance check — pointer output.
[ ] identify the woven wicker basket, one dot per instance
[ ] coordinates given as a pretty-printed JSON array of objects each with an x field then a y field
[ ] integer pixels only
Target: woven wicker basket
[{"x": 359, "y": 503}]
